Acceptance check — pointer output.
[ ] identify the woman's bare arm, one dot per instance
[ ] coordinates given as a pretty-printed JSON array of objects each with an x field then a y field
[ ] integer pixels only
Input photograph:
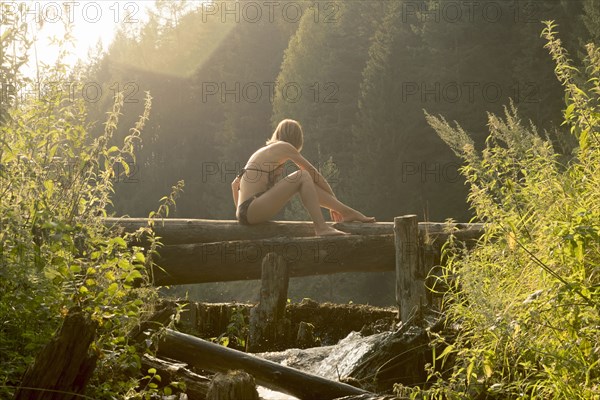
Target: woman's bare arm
[
  {"x": 235, "y": 187},
  {"x": 291, "y": 153}
]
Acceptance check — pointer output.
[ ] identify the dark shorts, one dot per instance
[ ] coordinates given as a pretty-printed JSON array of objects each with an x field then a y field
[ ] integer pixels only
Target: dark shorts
[{"x": 242, "y": 214}]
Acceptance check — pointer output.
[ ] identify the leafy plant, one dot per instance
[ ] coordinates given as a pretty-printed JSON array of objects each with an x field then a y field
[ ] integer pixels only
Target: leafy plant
[
  {"x": 526, "y": 299},
  {"x": 237, "y": 331},
  {"x": 56, "y": 253}
]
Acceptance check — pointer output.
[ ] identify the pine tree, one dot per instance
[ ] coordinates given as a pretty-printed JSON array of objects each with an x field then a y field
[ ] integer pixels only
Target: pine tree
[{"x": 324, "y": 60}]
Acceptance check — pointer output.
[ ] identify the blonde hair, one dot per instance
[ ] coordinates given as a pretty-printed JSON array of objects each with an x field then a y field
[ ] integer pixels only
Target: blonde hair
[{"x": 288, "y": 131}]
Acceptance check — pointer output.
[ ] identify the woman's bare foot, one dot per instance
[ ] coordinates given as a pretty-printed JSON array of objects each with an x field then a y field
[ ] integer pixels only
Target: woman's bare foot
[
  {"x": 356, "y": 216},
  {"x": 328, "y": 231}
]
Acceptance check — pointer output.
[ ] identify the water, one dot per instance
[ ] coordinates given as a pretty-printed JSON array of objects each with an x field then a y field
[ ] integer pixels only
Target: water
[
  {"x": 346, "y": 355},
  {"x": 330, "y": 362}
]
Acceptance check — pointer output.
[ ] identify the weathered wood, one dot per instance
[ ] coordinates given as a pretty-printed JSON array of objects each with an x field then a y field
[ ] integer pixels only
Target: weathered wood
[
  {"x": 227, "y": 251},
  {"x": 241, "y": 260},
  {"x": 410, "y": 285},
  {"x": 269, "y": 327},
  {"x": 212, "y": 357},
  {"x": 64, "y": 366},
  {"x": 182, "y": 231},
  {"x": 196, "y": 386},
  {"x": 305, "y": 337},
  {"x": 332, "y": 322},
  {"x": 234, "y": 385}
]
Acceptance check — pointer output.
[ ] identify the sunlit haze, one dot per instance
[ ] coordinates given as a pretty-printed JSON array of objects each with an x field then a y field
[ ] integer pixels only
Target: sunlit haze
[{"x": 93, "y": 22}]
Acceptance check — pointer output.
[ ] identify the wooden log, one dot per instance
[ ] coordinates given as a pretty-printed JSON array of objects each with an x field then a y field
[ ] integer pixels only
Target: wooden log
[
  {"x": 64, "y": 366},
  {"x": 196, "y": 386},
  {"x": 410, "y": 285},
  {"x": 234, "y": 385},
  {"x": 182, "y": 231},
  {"x": 269, "y": 327},
  {"x": 240, "y": 260},
  {"x": 212, "y": 357}
]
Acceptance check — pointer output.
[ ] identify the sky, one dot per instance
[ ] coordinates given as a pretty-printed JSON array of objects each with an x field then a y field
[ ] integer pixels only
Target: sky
[{"x": 92, "y": 21}]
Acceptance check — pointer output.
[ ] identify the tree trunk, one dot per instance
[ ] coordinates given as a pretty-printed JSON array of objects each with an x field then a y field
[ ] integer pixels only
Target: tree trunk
[{"x": 196, "y": 386}]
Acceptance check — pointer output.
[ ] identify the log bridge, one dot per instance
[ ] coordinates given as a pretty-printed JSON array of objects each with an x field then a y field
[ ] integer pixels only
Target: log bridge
[
  {"x": 200, "y": 250},
  {"x": 197, "y": 251}
]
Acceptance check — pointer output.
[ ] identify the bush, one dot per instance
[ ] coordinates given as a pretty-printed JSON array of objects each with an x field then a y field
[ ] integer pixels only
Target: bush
[
  {"x": 55, "y": 251},
  {"x": 526, "y": 298}
]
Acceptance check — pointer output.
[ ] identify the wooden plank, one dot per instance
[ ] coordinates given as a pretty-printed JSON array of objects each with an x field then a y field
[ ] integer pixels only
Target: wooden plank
[
  {"x": 205, "y": 355},
  {"x": 198, "y": 251}
]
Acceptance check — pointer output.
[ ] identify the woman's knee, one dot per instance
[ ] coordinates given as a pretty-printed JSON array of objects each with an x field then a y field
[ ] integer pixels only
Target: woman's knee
[{"x": 299, "y": 177}]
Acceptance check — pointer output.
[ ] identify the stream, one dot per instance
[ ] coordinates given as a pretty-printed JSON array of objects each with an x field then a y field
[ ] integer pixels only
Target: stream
[{"x": 331, "y": 362}]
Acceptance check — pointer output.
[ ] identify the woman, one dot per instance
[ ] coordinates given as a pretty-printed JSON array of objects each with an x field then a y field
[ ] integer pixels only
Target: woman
[{"x": 257, "y": 197}]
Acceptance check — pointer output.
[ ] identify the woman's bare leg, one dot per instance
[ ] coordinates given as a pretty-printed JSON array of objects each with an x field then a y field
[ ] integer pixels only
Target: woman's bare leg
[
  {"x": 348, "y": 213},
  {"x": 269, "y": 203}
]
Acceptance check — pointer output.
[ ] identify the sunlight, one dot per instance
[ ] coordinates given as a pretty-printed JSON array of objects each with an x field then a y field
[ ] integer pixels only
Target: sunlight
[{"x": 93, "y": 24}]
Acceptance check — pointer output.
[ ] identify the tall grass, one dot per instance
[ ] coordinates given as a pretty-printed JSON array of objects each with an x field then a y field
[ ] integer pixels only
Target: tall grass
[{"x": 526, "y": 299}]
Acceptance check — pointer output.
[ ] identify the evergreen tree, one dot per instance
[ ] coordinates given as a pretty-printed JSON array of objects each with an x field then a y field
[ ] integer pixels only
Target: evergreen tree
[
  {"x": 386, "y": 137},
  {"x": 324, "y": 61}
]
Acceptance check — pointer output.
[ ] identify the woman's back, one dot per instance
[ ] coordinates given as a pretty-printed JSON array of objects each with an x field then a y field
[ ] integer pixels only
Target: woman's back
[{"x": 262, "y": 169}]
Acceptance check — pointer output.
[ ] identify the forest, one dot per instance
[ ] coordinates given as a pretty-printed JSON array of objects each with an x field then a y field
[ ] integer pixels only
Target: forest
[{"x": 451, "y": 110}]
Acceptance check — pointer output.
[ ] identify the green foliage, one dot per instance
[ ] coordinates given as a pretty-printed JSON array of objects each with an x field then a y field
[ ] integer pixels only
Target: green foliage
[
  {"x": 325, "y": 58},
  {"x": 526, "y": 298},
  {"x": 14, "y": 43},
  {"x": 55, "y": 251},
  {"x": 237, "y": 331}
]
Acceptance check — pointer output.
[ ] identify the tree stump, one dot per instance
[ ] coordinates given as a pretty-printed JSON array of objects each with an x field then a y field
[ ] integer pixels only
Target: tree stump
[
  {"x": 234, "y": 385},
  {"x": 63, "y": 368},
  {"x": 269, "y": 328}
]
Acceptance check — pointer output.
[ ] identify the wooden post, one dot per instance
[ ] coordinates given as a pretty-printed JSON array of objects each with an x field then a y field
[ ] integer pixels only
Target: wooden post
[
  {"x": 269, "y": 329},
  {"x": 410, "y": 279}
]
